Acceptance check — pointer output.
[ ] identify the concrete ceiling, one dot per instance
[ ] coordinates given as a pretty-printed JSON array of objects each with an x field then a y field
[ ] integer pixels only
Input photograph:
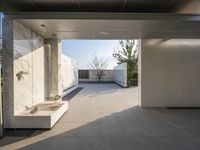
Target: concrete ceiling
[
  {"x": 135, "y": 6},
  {"x": 113, "y": 29}
]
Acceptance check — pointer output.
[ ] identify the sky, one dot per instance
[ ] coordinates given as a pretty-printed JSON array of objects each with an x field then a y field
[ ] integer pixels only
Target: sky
[{"x": 84, "y": 50}]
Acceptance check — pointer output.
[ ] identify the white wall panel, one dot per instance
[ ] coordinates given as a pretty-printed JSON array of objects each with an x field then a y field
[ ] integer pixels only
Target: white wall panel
[
  {"x": 170, "y": 73},
  {"x": 120, "y": 74}
]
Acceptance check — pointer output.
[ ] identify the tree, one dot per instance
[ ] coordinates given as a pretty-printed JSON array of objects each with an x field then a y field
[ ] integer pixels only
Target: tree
[
  {"x": 128, "y": 53},
  {"x": 100, "y": 66}
]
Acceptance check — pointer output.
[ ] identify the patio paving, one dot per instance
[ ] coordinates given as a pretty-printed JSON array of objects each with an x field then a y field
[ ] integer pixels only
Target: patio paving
[{"x": 106, "y": 117}]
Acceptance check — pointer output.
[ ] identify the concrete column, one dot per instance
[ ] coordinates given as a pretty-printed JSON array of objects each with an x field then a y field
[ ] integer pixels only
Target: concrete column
[
  {"x": 47, "y": 69},
  {"x": 1, "y": 108},
  {"x": 53, "y": 54},
  {"x": 7, "y": 68}
]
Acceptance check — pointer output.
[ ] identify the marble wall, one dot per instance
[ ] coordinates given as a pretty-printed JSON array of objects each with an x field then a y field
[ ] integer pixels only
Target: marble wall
[
  {"x": 38, "y": 68},
  {"x": 28, "y": 68},
  {"x": 69, "y": 72},
  {"x": 120, "y": 74},
  {"x": 33, "y": 71}
]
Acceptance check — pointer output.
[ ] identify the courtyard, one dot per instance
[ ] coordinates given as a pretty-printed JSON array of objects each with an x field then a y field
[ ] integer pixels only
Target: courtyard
[
  {"x": 107, "y": 117},
  {"x": 41, "y": 65}
]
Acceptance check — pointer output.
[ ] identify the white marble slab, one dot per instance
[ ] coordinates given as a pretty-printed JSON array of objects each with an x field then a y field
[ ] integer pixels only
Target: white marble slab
[
  {"x": 69, "y": 74},
  {"x": 120, "y": 74}
]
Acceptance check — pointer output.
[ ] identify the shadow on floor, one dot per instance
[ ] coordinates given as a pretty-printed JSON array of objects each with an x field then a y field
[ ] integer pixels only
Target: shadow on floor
[
  {"x": 133, "y": 128},
  {"x": 69, "y": 96},
  {"x": 101, "y": 82},
  {"x": 16, "y": 135},
  {"x": 100, "y": 89},
  {"x": 96, "y": 82}
]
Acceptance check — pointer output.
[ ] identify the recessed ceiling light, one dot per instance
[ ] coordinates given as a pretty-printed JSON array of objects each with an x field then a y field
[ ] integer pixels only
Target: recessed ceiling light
[
  {"x": 42, "y": 25},
  {"x": 104, "y": 33}
]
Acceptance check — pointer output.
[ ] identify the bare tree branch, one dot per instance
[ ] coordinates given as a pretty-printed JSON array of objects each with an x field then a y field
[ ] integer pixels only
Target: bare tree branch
[{"x": 99, "y": 65}]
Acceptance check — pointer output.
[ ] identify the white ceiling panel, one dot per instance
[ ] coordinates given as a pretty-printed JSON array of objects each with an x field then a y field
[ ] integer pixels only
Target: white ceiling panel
[{"x": 113, "y": 29}]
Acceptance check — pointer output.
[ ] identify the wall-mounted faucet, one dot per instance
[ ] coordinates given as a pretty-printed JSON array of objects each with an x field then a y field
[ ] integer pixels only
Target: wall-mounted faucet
[{"x": 20, "y": 75}]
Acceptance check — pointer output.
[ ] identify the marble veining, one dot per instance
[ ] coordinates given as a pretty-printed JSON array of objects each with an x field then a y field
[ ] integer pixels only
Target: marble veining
[{"x": 28, "y": 68}]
